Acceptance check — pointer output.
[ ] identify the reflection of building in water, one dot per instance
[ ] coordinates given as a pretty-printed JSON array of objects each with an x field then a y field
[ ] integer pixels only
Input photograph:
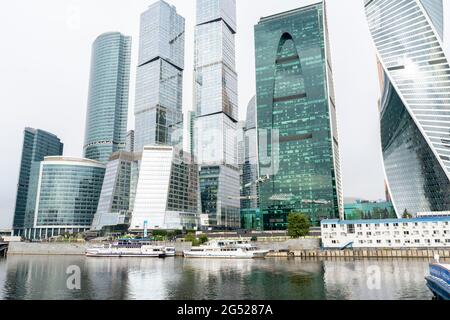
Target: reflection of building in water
[
  {"x": 249, "y": 279},
  {"x": 375, "y": 279},
  {"x": 43, "y": 278}
]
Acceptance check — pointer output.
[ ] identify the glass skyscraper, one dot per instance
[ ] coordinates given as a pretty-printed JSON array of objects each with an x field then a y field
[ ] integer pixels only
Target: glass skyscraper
[
  {"x": 159, "y": 80},
  {"x": 215, "y": 90},
  {"x": 107, "y": 112},
  {"x": 37, "y": 144},
  {"x": 296, "y": 114},
  {"x": 415, "y": 103},
  {"x": 63, "y": 197}
]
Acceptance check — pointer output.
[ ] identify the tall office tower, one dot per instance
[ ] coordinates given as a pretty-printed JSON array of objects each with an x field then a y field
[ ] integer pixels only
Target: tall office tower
[
  {"x": 296, "y": 112},
  {"x": 415, "y": 103},
  {"x": 107, "y": 112},
  {"x": 215, "y": 91},
  {"x": 159, "y": 79},
  {"x": 166, "y": 196},
  {"x": 129, "y": 144},
  {"x": 63, "y": 197},
  {"x": 37, "y": 144}
]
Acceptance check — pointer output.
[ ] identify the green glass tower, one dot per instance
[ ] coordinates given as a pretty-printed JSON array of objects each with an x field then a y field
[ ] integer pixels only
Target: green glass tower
[{"x": 296, "y": 112}]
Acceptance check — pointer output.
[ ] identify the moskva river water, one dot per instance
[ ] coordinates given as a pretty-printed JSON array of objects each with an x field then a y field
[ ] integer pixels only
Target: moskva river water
[{"x": 77, "y": 277}]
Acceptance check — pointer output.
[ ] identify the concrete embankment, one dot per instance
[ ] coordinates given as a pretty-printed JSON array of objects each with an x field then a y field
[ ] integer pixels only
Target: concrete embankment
[
  {"x": 299, "y": 248},
  {"x": 373, "y": 253},
  {"x": 70, "y": 249}
]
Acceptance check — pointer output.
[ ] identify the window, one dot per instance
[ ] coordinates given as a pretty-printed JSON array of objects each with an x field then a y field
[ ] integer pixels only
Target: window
[
  {"x": 378, "y": 241},
  {"x": 395, "y": 224},
  {"x": 437, "y": 240},
  {"x": 325, "y": 226},
  {"x": 406, "y": 233},
  {"x": 417, "y": 241},
  {"x": 351, "y": 228},
  {"x": 333, "y": 226}
]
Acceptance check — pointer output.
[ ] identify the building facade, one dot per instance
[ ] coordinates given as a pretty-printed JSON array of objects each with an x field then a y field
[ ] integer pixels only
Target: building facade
[
  {"x": 365, "y": 210},
  {"x": 216, "y": 107},
  {"x": 107, "y": 111},
  {"x": 129, "y": 144},
  {"x": 296, "y": 118},
  {"x": 37, "y": 144},
  {"x": 167, "y": 189},
  {"x": 415, "y": 103},
  {"x": 250, "y": 213},
  {"x": 387, "y": 233},
  {"x": 159, "y": 79},
  {"x": 63, "y": 197},
  {"x": 116, "y": 199}
]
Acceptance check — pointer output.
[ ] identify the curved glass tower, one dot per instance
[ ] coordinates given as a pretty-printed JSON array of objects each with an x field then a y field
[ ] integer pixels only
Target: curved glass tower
[
  {"x": 63, "y": 197},
  {"x": 415, "y": 104},
  {"x": 107, "y": 114}
]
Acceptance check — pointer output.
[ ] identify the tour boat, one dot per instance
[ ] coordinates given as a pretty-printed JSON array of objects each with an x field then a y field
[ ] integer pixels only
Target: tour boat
[
  {"x": 226, "y": 250},
  {"x": 439, "y": 280},
  {"x": 130, "y": 248}
]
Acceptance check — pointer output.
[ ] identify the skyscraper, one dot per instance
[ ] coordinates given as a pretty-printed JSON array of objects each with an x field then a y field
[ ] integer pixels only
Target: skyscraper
[
  {"x": 107, "y": 112},
  {"x": 415, "y": 103},
  {"x": 296, "y": 114},
  {"x": 215, "y": 91},
  {"x": 37, "y": 144},
  {"x": 159, "y": 80}
]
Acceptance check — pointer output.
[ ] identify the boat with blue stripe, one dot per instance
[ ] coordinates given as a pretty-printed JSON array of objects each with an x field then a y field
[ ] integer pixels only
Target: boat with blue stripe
[{"x": 439, "y": 280}]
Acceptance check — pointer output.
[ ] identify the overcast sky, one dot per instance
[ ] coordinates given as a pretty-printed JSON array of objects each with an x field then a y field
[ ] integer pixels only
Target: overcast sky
[{"x": 44, "y": 76}]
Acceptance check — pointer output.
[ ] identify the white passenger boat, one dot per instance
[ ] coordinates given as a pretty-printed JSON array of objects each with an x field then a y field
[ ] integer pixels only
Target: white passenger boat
[
  {"x": 130, "y": 248},
  {"x": 226, "y": 250}
]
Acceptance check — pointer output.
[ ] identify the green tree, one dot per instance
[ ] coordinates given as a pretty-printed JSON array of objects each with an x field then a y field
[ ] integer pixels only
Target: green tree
[
  {"x": 298, "y": 225},
  {"x": 406, "y": 215},
  {"x": 203, "y": 238},
  {"x": 190, "y": 237}
]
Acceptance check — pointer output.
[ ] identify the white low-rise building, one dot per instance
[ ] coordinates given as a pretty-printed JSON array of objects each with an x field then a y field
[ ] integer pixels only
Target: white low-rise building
[{"x": 390, "y": 233}]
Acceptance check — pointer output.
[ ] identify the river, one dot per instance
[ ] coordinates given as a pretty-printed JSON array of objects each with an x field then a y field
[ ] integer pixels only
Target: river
[{"x": 78, "y": 277}]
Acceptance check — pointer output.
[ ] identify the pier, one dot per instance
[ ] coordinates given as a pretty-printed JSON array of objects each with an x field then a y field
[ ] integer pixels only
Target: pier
[
  {"x": 3, "y": 249},
  {"x": 364, "y": 253}
]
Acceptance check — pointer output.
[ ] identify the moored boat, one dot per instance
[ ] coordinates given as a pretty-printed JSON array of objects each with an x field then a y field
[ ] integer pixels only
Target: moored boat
[
  {"x": 439, "y": 280},
  {"x": 131, "y": 248},
  {"x": 226, "y": 250}
]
